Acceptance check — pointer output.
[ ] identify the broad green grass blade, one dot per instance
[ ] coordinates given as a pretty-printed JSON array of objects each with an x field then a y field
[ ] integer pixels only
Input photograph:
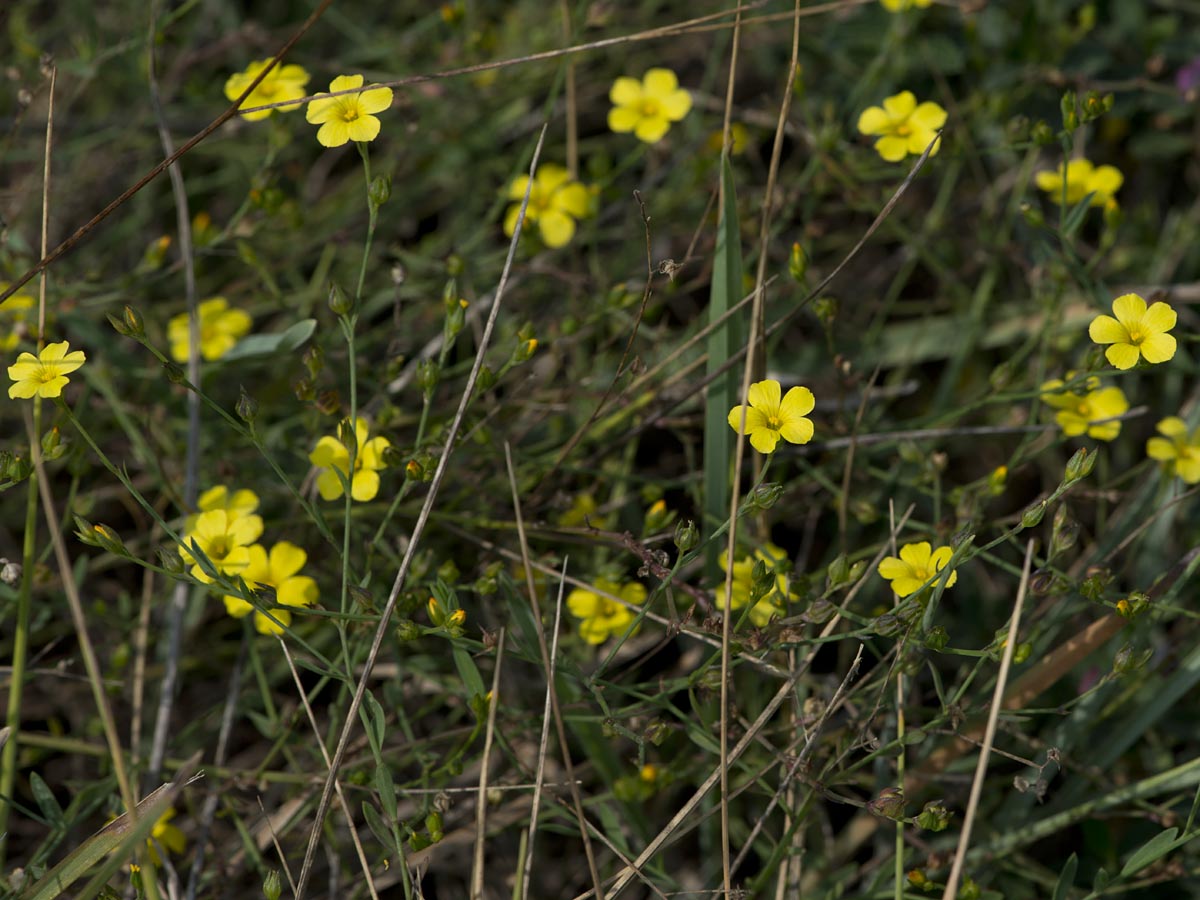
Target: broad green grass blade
[
  {"x": 726, "y": 289},
  {"x": 117, "y": 836}
]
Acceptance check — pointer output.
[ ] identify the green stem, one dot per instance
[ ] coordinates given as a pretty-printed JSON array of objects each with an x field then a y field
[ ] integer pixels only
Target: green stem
[{"x": 8, "y": 761}]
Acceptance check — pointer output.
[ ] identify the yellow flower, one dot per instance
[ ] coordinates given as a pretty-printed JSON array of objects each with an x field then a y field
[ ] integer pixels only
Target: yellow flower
[
  {"x": 1135, "y": 332},
  {"x": 603, "y": 617},
  {"x": 225, "y": 539},
  {"x": 772, "y": 602},
  {"x": 44, "y": 375},
  {"x": 903, "y": 126},
  {"x": 333, "y": 456},
  {"x": 739, "y": 139},
  {"x": 13, "y": 314},
  {"x": 166, "y": 835},
  {"x": 282, "y": 83},
  {"x": 240, "y": 503},
  {"x": 917, "y": 565},
  {"x": 1179, "y": 449},
  {"x": 768, "y": 419},
  {"x": 220, "y": 329},
  {"x": 1082, "y": 179},
  {"x": 555, "y": 202},
  {"x": 277, "y": 570},
  {"x": 348, "y": 117},
  {"x": 1087, "y": 412},
  {"x": 647, "y": 107},
  {"x": 901, "y": 5}
]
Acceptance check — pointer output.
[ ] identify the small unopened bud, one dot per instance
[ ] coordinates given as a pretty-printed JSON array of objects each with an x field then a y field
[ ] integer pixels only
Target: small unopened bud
[
  {"x": 175, "y": 375},
  {"x": 889, "y": 804},
  {"x": 109, "y": 540},
  {"x": 1134, "y": 605},
  {"x": 917, "y": 879},
  {"x": 826, "y": 310},
  {"x": 85, "y": 531},
  {"x": 934, "y": 816},
  {"x": 428, "y": 375},
  {"x": 247, "y": 407},
  {"x": 338, "y": 301},
  {"x": 656, "y": 732},
  {"x": 379, "y": 191},
  {"x": 1022, "y": 652},
  {"x": 658, "y": 517},
  {"x": 1126, "y": 662},
  {"x": 433, "y": 824},
  {"x": 798, "y": 263},
  {"x": 525, "y": 350},
  {"x": 407, "y": 630},
  {"x": 1095, "y": 583},
  {"x": 1112, "y": 214},
  {"x": 1070, "y": 118},
  {"x": 487, "y": 378},
  {"x": 414, "y": 470},
  {"x": 1065, "y": 533},
  {"x": 456, "y": 317},
  {"x": 133, "y": 322},
  {"x": 1042, "y": 134},
  {"x": 1095, "y": 105},
  {"x": 1080, "y": 464},
  {"x": 1033, "y": 215},
  {"x": 456, "y": 618},
  {"x": 686, "y": 536},
  {"x": 763, "y": 497},
  {"x": 347, "y": 434},
  {"x": 1033, "y": 515},
  {"x": 936, "y": 638},
  {"x": 437, "y": 615},
  {"x": 52, "y": 445},
  {"x": 272, "y": 887},
  {"x": 969, "y": 890},
  {"x": 838, "y": 572},
  {"x": 997, "y": 480},
  {"x": 170, "y": 560},
  {"x": 314, "y": 360}
]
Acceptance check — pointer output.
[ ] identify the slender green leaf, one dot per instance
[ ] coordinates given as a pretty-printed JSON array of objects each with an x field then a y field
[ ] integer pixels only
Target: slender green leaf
[
  {"x": 1151, "y": 852},
  {"x": 1066, "y": 878},
  {"x": 46, "y": 801},
  {"x": 266, "y": 344},
  {"x": 378, "y": 827},
  {"x": 374, "y": 720},
  {"x": 469, "y": 673}
]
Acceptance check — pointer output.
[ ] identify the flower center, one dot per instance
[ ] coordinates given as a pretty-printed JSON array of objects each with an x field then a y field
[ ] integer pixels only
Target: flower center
[
  {"x": 218, "y": 549},
  {"x": 903, "y": 129},
  {"x": 608, "y": 609},
  {"x": 651, "y": 108},
  {"x": 1084, "y": 409},
  {"x": 47, "y": 374},
  {"x": 1136, "y": 337},
  {"x": 350, "y": 114},
  {"x": 774, "y": 422}
]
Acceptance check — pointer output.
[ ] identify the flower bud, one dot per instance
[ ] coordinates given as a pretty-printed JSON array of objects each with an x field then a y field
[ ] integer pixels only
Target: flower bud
[
  {"x": 1126, "y": 662},
  {"x": 1095, "y": 583},
  {"x": 433, "y": 824},
  {"x": 658, "y": 517},
  {"x": 997, "y": 480},
  {"x": 525, "y": 350},
  {"x": 170, "y": 560},
  {"x": 686, "y": 536},
  {"x": 763, "y": 497},
  {"x": 338, "y": 301},
  {"x": 1080, "y": 464},
  {"x": 1070, "y": 118},
  {"x": 1095, "y": 105},
  {"x": 414, "y": 470},
  {"x": 272, "y": 887},
  {"x": 314, "y": 360},
  {"x": 889, "y": 804},
  {"x": 838, "y": 572},
  {"x": 969, "y": 890},
  {"x": 109, "y": 540},
  {"x": 1022, "y": 652},
  {"x": 346, "y": 434},
  {"x": 1065, "y": 532},
  {"x": 379, "y": 191},
  {"x": 1134, "y": 605},
  {"x": 1112, "y": 214},
  {"x": 826, "y": 310},
  {"x": 1033, "y": 514},
  {"x": 247, "y": 407},
  {"x": 936, "y": 638},
  {"x": 917, "y": 879},
  {"x": 428, "y": 375},
  {"x": 175, "y": 375},
  {"x": 798, "y": 263},
  {"x": 456, "y": 317},
  {"x": 52, "y": 445},
  {"x": 1042, "y": 134},
  {"x": 407, "y": 630},
  {"x": 487, "y": 378},
  {"x": 656, "y": 732}
]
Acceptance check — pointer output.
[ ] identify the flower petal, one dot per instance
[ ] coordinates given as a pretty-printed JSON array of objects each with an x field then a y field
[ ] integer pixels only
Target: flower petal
[
  {"x": 1129, "y": 309},
  {"x": 556, "y": 228},
  {"x": 659, "y": 82},
  {"x": 1123, "y": 356},
  {"x": 329, "y": 485},
  {"x": 365, "y": 485},
  {"x": 1172, "y": 426},
  {"x": 892, "y": 148},
  {"x": 917, "y": 555},
  {"x": 286, "y": 560},
  {"x": 363, "y": 129},
  {"x": 1161, "y": 449},
  {"x": 375, "y": 100},
  {"x": 330, "y": 452},
  {"x": 1107, "y": 330},
  {"x": 583, "y": 604},
  {"x": 622, "y": 119},
  {"x": 891, "y": 568},
  {"x": 929, "y": 116},
  {"x": 1158, "y": 348},
  {"x": 797, "y": 431},
  {"x": 764, "y": 396},
  {"x": 676, "y": 105},
  {"x": 1159, "y": 317},
  {"x": 873, "y": 120},
  {"x": 651, "y": 129},
  {"x": 625, "y": 91},
  {"x": 764, "y": 439},
  {"x": 900, "y": 106},
  {"x": 798, "y": 401}
]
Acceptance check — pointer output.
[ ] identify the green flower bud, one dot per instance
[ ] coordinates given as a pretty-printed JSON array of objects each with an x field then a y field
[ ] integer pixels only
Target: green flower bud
[
  {"x": 686, "y": 536},
  {"x": 1095, "y": 583},
  {"x": 247, "y": 407},
  {"x": 455, "y": 265},
  {"x": 379, "y": 191},
  {"x": 838, "y": 572},
  {"x": 433, "y": 824},
  {"x": 1080, "y": 464},
  {"x": 1095, "y": 105},
  {"x": 304, "y": 390},
  {"x": 1065, "y": 532},
  {"x": 656, "y": 732},
  {"x": 487, "y": 378},
  {"x": 428, "y": 375},
  {"x": 969, "y": 890},
  {"x": 272, "y": 888},
  {"x": 314, "y": 360},
  {"x": 936, "y": 638},
  {"x": 347, "y": 434},
  {"x": 175, "y": 375},
  {"x": 1070, "y": 118},
  {"x": 763, "y": 497},
  {"x": 407, "y": 630},
  {"x": 525, "y": 350},
  {"x": 170, "y": 560},
  {"x": 1022, "y": 652},
  {"x": 798, "y": 263},
  {"x": 934, "y": 816},
  {"x": 338, "y": 301},
  {"x": 1134, "y": 605},
  {"x": 1042, "y": 134},
  {"x": 52, "y": 444},
  {"x": 85, "y": 531},
  {"x": 456, "y": 317},
  {"x": 1033, "y": 514},
  {"x": 109, "y": 540}
]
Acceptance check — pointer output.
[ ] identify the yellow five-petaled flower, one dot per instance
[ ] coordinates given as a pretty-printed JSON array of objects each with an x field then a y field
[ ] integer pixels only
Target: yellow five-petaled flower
[
  {"x": 1080, "y": 179},
  {"x": 555, "y": 202},
  {"x": 1136, "y": 332},
  {"x": 1178, "y": 449},
  {"x": 647, "y": 107},
  {"x": 348, "y": 117},
  {"x": 603, "y": 617},
  {"x": 1095, "y": 412},
  {"x": 281, "y": 83},
  {"x": 768, "y": 418},
  {"x": 220, "y": 329},
  {"x": 334, "y": 457},
  {"x": 44, "y": 375},
  {"x": 917, "y": 565},
  {"x": 903, "y": 126},
  {"x": 278, "y": 570}
]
